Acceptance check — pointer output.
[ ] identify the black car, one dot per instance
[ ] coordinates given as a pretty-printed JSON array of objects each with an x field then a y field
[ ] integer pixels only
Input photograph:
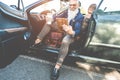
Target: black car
[{"x": 20, "y": 25}]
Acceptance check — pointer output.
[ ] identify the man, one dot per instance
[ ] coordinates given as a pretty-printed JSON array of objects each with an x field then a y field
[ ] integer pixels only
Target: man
[{"x": 75, "y": 19}]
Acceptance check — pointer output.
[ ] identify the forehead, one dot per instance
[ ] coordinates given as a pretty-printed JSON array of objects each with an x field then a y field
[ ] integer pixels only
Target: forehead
[{"x": 73, "y": 2}]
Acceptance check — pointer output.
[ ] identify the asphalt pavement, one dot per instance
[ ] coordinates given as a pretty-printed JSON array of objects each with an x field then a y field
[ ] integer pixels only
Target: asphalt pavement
[{"x": 30, "y": 68}]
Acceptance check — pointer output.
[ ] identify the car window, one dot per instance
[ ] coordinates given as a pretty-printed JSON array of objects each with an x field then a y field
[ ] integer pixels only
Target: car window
[
  {"x": 47, "y": 6},
  {"x": 14, "y": 3},
  {"x": 10, "y": 2},
  {"x": 108, "y": 22}
]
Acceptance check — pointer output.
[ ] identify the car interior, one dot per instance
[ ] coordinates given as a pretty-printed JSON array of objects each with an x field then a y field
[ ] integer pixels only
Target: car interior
[{"x": 53, "y": 39}]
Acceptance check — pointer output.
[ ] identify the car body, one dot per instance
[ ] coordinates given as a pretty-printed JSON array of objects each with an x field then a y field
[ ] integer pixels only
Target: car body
[{"x": 20, "y": 24}]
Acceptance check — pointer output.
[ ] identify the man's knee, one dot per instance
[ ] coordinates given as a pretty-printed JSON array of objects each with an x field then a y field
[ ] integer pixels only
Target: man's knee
[{"x": 65, "y": 42}]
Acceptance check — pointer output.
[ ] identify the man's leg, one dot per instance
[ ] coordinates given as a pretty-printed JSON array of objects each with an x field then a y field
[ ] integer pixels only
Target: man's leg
[
  {"x": 45, "y": 30},
  {"x": 64, "y": 50},
  {"x": 62, "y": 54}
]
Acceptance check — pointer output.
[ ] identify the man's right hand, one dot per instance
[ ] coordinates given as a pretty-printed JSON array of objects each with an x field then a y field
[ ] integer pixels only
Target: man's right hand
[
  {"x": 65, "y": 27},
  {"x": 68, "y": 29},
  {"x": 49, "y": 18}
]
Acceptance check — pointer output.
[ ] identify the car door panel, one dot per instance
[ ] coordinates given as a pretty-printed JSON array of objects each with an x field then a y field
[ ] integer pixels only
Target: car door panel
[{"x": 11, "y": 39}]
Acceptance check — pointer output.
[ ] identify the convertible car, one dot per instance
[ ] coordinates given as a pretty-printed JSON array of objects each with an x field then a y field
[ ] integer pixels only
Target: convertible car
[{"x": 21, "y": 21}]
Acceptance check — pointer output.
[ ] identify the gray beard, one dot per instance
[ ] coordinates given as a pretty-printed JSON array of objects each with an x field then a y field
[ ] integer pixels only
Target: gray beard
[{"x": 72, "y": 14}]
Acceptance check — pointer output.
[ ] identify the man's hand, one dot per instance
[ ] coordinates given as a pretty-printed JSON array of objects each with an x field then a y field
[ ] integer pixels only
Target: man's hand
[
  {"x": 68, "y": 29},
  {"x": 88, "y": 16},
  {"x": 49, "y": 18},
  {"x": 65, "y": 27}
]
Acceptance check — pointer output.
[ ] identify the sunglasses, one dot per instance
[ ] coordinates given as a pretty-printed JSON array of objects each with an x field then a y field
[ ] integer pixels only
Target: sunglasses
[{"x": 72, "y": 4}]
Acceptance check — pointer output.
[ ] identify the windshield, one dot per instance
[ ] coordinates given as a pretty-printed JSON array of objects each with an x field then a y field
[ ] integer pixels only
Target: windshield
[{"x": 47, "y": 6}]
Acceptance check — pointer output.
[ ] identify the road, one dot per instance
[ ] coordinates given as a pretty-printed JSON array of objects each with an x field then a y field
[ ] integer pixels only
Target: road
[{"x": 32, "y": 68}]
